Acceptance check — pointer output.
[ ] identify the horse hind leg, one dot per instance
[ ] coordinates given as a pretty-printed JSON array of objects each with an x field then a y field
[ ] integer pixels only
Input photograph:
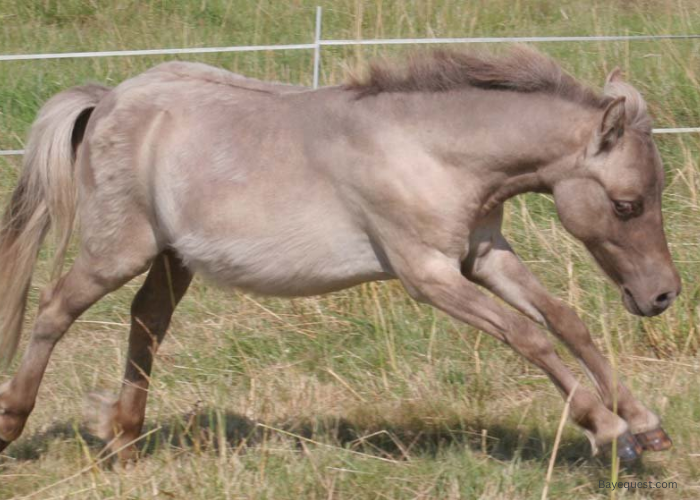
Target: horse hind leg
[
  {"x": 118, "y": 420},
  {"x": 90, "y": 278}
]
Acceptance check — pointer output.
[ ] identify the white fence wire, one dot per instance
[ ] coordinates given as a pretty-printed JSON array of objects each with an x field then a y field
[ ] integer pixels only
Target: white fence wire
[{"x": 319, "y": 43}]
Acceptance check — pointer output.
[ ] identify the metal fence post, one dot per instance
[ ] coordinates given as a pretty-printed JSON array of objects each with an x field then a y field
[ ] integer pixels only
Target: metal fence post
[{"x": 317, "y": 45}]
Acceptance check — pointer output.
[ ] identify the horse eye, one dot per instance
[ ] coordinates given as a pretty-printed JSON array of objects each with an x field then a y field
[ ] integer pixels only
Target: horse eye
[{"x": 623, "y": 208}]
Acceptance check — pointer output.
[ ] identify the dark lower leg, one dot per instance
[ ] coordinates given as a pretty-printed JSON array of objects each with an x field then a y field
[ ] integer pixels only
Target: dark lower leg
[{"x": 151, "y": 311}]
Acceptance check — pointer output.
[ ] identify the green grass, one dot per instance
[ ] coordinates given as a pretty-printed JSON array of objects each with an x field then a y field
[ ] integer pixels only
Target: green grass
[{"x": 362, "y": 393}]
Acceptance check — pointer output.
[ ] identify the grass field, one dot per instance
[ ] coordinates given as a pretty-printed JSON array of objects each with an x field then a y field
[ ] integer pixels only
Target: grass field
[{"x": 362, "y": 393}]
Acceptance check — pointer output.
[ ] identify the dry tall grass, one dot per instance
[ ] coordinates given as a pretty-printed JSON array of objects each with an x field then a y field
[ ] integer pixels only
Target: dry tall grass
[{"x": 363, "y": 393}]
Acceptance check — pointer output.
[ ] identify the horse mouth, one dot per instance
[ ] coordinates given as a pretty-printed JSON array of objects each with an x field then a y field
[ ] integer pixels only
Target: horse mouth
[{"x": 631, "y": 304}]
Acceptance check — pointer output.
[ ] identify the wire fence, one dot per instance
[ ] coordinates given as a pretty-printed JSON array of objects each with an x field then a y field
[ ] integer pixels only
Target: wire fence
[{"x": 319, "y": 43}]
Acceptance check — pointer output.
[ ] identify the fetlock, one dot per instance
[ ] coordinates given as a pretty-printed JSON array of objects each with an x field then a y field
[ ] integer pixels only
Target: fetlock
[
  {"x": 104, "y": 420},
  {"x": 11, "y": 425},
  {"x": 100, "y": 415},
  {"x": 607, "y": 426},
  {"x": 12, "y": 416},
  {"x": 640, "y": 419},
  {"x": 600, "y": 425}
]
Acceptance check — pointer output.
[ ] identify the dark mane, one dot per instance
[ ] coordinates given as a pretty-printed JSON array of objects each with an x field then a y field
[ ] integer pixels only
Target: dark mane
[{"x": 522, "y": 69}]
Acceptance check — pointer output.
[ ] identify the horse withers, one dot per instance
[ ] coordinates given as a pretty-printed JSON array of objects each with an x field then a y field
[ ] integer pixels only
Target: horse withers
[{"x": 282, "y": 190}]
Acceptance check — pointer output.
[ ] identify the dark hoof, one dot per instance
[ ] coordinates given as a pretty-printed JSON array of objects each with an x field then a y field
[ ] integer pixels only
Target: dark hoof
[
  {"x": 3, "y": 444},
  {"x": 628, "y": 449},
  {"x": 654, "y": 440}
]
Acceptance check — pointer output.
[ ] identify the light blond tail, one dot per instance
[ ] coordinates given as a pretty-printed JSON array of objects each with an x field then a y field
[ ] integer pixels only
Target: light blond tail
[{"x": 45, "y": 197}]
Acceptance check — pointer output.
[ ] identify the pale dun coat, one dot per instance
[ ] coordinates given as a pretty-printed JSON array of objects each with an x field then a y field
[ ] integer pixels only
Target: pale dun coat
[{"x": 286, "y": 191}]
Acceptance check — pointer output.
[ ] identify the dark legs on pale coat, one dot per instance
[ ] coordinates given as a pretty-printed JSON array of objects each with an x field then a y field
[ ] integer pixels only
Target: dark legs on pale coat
[{"x": 119, "y": 420}]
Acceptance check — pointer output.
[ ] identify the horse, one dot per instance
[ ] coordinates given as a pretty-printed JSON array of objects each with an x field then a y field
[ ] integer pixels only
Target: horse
[{"x": 398, "y": 173}]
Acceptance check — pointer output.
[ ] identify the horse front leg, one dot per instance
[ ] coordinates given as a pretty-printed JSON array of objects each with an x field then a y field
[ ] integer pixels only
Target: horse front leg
[
  {"x": 498, "y": 268},
  {"x": 437, "y": 280}
]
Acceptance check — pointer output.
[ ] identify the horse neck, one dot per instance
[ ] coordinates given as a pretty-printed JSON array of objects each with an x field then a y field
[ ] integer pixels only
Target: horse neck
[{"x": 512, "y": 142}]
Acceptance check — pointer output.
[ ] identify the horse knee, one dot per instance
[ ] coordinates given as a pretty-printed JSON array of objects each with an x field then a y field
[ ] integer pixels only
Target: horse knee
[
  {"x": 567, "y": 325},
  {"x": 533, "y": 344}
]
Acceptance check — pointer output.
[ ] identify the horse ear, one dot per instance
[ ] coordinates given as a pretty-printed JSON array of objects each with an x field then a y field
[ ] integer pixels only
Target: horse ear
[
  {"x": 614, "y": 76},
  {"x": 611, "y": 128}
]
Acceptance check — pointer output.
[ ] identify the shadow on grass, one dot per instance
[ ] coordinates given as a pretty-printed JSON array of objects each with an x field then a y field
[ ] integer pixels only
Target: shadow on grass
[{"x": 209, "y": 428}]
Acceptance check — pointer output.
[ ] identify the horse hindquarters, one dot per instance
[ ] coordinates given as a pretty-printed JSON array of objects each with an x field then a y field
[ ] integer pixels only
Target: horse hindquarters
[{"x": 110, "y": 254}]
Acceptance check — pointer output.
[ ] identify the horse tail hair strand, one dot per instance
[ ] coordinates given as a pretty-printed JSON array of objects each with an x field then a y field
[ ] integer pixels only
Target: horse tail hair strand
[{"x": 45, "y": 197}]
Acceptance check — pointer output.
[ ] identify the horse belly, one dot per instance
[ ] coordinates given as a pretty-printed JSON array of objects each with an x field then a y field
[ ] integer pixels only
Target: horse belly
[{"x": 297, "y": 265}]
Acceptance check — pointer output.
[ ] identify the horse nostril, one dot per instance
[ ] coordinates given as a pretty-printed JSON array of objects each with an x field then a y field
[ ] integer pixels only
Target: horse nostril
[{"x": 663, "y": 300}]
